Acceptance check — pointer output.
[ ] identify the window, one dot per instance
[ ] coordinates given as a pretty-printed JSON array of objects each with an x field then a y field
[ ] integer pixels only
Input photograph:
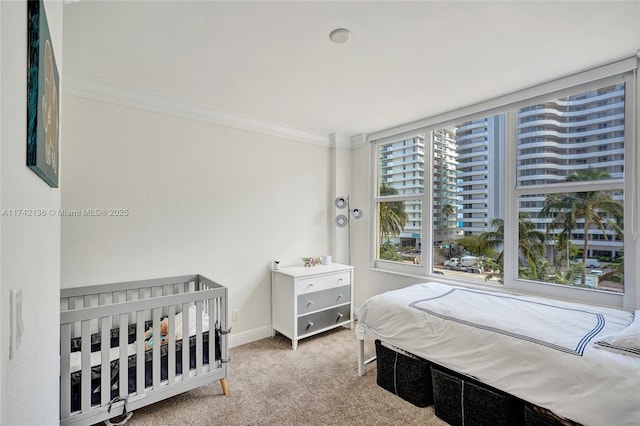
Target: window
[
  {"x": 399, "y": 224},
  {"x": 525, "y": 194}
]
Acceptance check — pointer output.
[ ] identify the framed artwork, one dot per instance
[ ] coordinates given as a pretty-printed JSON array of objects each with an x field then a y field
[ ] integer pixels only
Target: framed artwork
[{"x": 43, "y": 82}]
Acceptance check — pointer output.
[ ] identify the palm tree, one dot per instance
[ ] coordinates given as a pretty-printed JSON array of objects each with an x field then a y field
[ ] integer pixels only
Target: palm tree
[
  {"x": 569, "y": 276},
  {"x": 591, "y": 208},
  {"x": 530, "y": 243},
  {"x": 447, "y": 210},
  {"x": 393, "y": 218},
  {"x": 565, "y": 249}
]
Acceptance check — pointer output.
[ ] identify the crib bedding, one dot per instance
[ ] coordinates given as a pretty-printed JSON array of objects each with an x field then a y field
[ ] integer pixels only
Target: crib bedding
[
  {"x": 114, "y": 353},
  {"x": 539, "y": 350},
  {"x": 96, "y": 373},
  {"x": 96, "y": 357}
]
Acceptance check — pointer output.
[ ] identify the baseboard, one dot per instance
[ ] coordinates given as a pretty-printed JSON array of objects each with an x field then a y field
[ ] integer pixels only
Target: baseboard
[{"x": 237, "y": 339}]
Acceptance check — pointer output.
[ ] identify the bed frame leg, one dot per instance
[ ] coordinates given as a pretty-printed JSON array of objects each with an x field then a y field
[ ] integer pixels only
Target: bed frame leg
[
  {"x": 362, "y": 363},
  {"x": 360, "y": 357},
  {"x": 223, "y": 383}
]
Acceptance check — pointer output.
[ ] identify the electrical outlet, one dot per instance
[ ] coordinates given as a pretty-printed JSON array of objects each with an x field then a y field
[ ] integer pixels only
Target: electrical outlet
[
  {"x": 16, "y": 324},
  {"x": 234, "y": 315}
]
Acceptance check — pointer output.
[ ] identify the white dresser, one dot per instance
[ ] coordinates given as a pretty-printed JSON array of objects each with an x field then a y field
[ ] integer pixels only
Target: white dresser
[{"x": 309, "y": 300}]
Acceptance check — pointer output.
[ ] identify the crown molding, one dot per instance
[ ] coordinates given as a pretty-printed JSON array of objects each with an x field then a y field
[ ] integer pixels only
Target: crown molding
[
  {"x": 107, "y": 91},
  {"x": 359, "y": 140},
  {"x": 338, "y": 140}
]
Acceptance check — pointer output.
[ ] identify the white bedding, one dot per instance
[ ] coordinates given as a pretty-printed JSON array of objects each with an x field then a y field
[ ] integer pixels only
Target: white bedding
[
  {"x": 114, "y": 353},
  {"x": 536, "y": 349}
]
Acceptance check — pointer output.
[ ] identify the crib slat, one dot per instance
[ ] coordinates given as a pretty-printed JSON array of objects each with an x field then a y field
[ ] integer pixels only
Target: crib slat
[
  {"x": 140, "y": 381},
  {"x": 65, "y": 370},
  {"x": 171, "y": 352},
  {"x": 166, "y": 291},
  {"x": 114, "y": 300},
  {"x": 131, "y": 296},
  {"x": 72, "y": 306},
  {"x": 185, "y": 341},
  {"x": 199, "y": 337},
  {"x": 105, "y": 365},
  {"x": 85, "y": 382},
  {"x": 123, "y": 379},
  {"x": 156, "y": 348},
  {"x": 212, "y": 334}
]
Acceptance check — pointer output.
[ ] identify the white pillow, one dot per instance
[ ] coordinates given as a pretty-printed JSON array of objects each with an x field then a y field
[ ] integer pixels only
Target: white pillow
[{"x": 626, "y": 341}]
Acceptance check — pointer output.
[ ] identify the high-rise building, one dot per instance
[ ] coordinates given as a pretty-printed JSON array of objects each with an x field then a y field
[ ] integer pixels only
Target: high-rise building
[
  {"x": 558, "y": 138},
  {"x": 554, "y": 140},
  {"x": 446, "y": 194},
  {"x": 402, "y": 168},
  {"x": 480, "y": 151}
]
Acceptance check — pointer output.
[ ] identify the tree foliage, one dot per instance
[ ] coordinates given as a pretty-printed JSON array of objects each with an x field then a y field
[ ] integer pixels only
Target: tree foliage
[
  {"x": 588, "y": 210},
  {"x": 393, "y": 219}
]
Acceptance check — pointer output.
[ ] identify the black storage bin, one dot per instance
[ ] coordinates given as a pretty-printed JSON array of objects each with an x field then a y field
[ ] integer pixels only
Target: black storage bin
[
  {"x": 459, "y": 400},
  {"x": 404, "y": 375},
  {"x": 537, "y": 416}
]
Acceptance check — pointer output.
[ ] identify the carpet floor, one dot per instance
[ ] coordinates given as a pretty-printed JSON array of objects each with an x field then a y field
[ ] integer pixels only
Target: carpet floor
[{"x": 270, "y": 384}]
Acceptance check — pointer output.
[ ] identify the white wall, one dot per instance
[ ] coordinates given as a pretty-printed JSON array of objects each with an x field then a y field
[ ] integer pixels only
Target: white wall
[
  {"x": 201, "y": 198},
  {"x": 341, "y": 185},
  {"x": 29, "y": 246}
]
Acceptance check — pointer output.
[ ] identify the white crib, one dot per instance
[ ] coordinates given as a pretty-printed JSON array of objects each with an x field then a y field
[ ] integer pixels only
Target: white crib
[{"x": 102, "y": 328}]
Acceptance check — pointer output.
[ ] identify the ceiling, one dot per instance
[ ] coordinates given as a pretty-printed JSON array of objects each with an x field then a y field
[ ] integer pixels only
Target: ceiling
[{"x": 274, "y": 62}]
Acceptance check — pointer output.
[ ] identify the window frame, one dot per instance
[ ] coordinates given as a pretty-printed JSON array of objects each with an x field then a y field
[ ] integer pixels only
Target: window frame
[{"x": 619, "y": 72}]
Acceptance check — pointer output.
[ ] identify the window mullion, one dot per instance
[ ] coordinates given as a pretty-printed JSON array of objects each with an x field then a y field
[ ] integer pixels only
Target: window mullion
[
  {"x": 392, "y": 198},
  {"x": 510, "y": 260},
  {"x": 427, "y": 207},
  {"x": 631, "y": 299},
  {"x": 558, "y": 188}
]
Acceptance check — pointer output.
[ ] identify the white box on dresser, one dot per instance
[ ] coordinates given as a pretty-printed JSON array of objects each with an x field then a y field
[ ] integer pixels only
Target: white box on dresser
[{"x": 309, "y": 300}]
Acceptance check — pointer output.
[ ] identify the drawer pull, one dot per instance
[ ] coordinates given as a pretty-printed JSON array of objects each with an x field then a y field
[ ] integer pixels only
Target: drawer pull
[
  {"x": 310, "y": 302},
  {"x": 309, "y": 325},
  {"x": 339, "y": 316},
  {"x": 340, "y": 296}
]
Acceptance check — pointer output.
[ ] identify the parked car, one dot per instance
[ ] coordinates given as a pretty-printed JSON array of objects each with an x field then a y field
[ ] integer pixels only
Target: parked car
[{"x": 592, "y": 263}]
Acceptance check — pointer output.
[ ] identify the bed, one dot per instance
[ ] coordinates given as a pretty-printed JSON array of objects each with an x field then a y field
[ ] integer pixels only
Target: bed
[
  {"x": 564, "y": 357},
  {"x": 112, "y": 328}
]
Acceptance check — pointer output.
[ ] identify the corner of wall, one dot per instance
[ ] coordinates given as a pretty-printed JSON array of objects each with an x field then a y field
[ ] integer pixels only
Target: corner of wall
[{"x": 29, "y": 245}]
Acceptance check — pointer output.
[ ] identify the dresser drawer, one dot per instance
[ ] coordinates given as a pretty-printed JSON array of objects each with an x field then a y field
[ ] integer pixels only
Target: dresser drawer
[
  {"x": 322, "y": 282},
  {"x": 323, "y": 319},
  {"x": 309, "y": 302}
]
